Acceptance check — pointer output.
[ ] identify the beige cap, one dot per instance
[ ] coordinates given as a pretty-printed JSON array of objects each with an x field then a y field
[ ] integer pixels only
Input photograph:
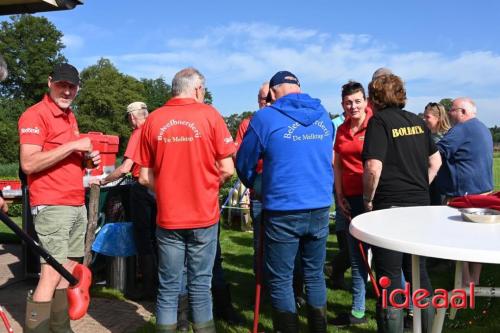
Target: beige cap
[{"x": 136, "y": 106}]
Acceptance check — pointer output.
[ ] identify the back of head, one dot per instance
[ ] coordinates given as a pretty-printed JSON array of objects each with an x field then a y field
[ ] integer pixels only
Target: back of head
[
  {"x": 3, "y": 69},
  {"x": 381, "y": 72},
  {"x": 186, "y": 81},
  {"x": 387, "y": 91},
  {"x": 283, "y": 83}
]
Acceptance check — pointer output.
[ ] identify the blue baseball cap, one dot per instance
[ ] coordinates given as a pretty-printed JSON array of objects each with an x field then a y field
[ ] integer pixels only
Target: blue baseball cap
[{"x": 283, "y": 77}]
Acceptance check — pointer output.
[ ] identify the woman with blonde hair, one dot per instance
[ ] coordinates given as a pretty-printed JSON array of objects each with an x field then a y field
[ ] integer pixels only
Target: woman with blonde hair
[{"x": 436, "y": 119}]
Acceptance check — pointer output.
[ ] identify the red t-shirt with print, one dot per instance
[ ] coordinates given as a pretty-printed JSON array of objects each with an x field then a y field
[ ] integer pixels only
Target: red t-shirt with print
[
  {"x": 181, "y": 142},
  {"x": 46, "y": 125}
]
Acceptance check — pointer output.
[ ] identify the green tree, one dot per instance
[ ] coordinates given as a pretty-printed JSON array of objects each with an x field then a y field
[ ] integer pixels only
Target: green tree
[
  {"x": 446, "y": 102},
  {"x": 233, "y": 121},
  {"x": 102, "y": 101},
  {"x": 157, "y": 92},
  {"x": 31, "y": 47},
  {"x": 10, "y": 110}
]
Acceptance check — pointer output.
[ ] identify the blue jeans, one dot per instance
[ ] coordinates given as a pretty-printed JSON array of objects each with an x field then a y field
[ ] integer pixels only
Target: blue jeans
[
  {"x": 195, "y": 249},
  {"x": 358, "y": 269},
  {"x": 286, "y": 233}
]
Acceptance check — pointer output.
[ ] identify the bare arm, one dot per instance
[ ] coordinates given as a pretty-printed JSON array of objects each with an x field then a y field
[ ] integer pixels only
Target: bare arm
[
  {"x": 434, "y": 165},
  {"x": 119, "y": 172},
  {"x": 147, "y": 178},
  {"x": 34, "y": 160},
  {"x": 226, "y": 169},
  {"x": 371, "y": 176},
  {"x": 3, "y": 205}
]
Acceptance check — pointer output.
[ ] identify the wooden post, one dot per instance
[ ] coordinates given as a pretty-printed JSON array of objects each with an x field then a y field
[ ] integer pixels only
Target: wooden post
[{"x": 93, "y": 215}]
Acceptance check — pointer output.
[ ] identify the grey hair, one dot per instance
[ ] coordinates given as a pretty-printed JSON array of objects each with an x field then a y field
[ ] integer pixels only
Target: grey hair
[
  {"x": 3, "y": 69},
  {"x": 468, "y": 104},
  {"x": 380, "y": 72},
  {"x": 186, "y": 80}
]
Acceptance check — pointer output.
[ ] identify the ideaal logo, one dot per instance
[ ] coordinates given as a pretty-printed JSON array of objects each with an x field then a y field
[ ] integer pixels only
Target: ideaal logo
[{"x": 420, "y": 297}]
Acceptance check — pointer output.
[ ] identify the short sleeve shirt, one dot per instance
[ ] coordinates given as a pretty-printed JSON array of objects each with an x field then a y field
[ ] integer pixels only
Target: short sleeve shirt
[
  {"x": 348, "y": 147},
  {"x": 132, "y": 148},
  {"x": 403, "y": 143},
  {"x": 182, "y": 142},
  {"x": 46, "y": 125}
]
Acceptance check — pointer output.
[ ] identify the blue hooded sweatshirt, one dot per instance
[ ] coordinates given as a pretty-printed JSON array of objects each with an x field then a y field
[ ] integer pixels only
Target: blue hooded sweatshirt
[{"x": 294, "y": 137}]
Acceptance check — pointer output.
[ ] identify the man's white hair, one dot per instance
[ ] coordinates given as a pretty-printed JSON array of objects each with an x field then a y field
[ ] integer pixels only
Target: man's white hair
[
  {"x": 186, "y": 80},
  {"x": 467, "y": 104}
]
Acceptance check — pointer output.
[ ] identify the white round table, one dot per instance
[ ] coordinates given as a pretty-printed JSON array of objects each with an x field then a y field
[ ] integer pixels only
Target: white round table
[{"x": 431, "y": 231}]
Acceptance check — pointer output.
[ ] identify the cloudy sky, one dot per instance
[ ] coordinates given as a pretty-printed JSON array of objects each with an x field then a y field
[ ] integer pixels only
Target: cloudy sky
[{"x": 440, "y": 48}]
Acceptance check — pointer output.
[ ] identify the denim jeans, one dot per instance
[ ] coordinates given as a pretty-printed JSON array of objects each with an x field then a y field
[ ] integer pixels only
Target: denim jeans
[
  {"x": 195, "y": 249},
  {"x": 286, "y": 233},
  {"x": 358, "y": 268}
]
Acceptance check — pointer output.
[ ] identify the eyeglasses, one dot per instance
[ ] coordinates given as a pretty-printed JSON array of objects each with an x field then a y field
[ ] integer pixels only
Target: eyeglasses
[
  {"x": 456, "y": 109},
  {"x": 432, "y": 104}
]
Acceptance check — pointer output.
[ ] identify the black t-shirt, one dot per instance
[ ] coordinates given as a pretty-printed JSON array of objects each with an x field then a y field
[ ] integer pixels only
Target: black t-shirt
[{"x": 403, "y": 143}]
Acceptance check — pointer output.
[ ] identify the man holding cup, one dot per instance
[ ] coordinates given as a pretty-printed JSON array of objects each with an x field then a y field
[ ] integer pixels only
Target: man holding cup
[{"x": 53, "y": 156}]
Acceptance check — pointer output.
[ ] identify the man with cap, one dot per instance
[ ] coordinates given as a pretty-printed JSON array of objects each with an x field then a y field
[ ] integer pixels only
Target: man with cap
[
  {"x": 293, "y": 136},
  {"x": 52, "y": 155},
  {"x": 142, "y": 205}
]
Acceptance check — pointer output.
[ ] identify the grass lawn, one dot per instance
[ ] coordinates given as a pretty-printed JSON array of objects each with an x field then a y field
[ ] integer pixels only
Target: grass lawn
[{"x": 237, "y": 253}]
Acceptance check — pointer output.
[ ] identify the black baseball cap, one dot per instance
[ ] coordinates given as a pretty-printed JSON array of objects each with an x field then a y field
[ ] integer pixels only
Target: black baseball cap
[{"x": 65, "y": 72}]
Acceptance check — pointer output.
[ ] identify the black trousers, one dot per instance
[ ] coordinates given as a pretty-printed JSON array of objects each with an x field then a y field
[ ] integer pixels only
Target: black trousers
[{"x": 143, "y": 215}]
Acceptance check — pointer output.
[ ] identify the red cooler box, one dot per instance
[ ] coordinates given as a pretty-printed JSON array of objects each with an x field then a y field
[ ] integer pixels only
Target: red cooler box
[{"x": 108, "y": 147}]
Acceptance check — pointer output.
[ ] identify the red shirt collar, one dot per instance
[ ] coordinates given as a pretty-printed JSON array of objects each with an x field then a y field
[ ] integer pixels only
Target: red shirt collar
[
  {"x": 181, "y": 101},
  {"x": 54, "y": 108},
  {"x": 369, "y": 114}
]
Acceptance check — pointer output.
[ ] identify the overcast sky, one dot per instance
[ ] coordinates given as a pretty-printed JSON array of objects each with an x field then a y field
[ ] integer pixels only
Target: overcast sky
[{"x": 440, "y": 48}]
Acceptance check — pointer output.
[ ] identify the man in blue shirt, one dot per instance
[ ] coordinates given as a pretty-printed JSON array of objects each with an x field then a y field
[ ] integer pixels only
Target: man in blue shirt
[
  {"x": 293, "y": 136},
  {"x": 467, "y": 154}
]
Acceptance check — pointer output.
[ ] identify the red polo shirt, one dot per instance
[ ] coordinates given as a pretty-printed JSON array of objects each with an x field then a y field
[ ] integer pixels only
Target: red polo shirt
[
  {"x": 242, "y": 129},
  {"x": 46, "y": 125},
  {"x": 132, "y": 148},
  {"x": 181, "y": 142},
  {"x": 349, "y": 146}
]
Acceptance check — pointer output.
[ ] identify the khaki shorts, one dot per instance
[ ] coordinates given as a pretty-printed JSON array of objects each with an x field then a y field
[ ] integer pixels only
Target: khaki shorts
[{"x": 61, "y": 230}]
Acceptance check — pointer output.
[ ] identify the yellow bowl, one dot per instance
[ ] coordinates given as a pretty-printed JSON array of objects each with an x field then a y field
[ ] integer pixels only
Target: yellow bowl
[{"x": 480, "y": 215}]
